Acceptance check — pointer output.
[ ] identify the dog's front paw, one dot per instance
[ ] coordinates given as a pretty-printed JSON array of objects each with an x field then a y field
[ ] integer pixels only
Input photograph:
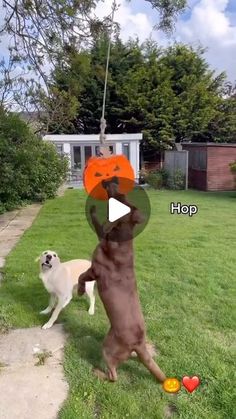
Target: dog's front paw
[
  {"x": 91, "y": 311},
  {"x": 47, "y": 326}
]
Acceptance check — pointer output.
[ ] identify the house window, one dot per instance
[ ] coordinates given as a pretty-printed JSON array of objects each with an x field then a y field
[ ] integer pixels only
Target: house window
[
  {"x": 59, "y": 148},
  {"x": 125, "y": 150},
  {"x": 198, "y": 159},
  {"x": 87, "y": 152},
  {"x": 77, "y": 164},
  {"x": 97, "y": 149}
]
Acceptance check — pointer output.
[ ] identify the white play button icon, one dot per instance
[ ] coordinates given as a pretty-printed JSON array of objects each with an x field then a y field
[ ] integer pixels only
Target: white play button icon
[
  {"x": 117, "y": 210},
  {"x": 114, "y": 210}
]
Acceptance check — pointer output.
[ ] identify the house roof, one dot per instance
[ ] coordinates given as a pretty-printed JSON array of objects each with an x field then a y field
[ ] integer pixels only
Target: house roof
[
  {"x": 210, "y": 144},
  {"x": 92, "y": 138}
]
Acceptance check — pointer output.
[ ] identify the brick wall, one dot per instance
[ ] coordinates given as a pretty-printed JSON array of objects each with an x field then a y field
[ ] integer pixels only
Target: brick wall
[
  {"x": 197, "y": 179},
  {"x": 219, "y": 175}
]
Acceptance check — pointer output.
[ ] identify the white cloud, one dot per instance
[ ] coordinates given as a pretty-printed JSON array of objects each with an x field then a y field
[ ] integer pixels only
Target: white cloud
[
  {"x": 208, "y": 24},
  {"x": 131, "y": 23}
]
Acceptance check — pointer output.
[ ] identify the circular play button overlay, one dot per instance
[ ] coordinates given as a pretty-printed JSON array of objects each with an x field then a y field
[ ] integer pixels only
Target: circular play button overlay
[{"x": 119, "y": 217}]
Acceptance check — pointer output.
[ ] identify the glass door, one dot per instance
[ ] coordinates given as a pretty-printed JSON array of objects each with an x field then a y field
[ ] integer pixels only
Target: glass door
[
  {"x": 76, "y": 162},
  {"x": 80, "y": 154},
  {"x": 79, "y": 157},
  {"x": 87, "y": 153}
]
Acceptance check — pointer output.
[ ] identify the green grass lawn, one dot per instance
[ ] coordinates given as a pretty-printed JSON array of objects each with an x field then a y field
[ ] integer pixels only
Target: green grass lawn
[{"x": 186, "y": 269}]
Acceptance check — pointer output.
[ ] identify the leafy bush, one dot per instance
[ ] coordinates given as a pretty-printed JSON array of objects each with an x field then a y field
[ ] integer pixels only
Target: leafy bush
[
  {"x": 233, "y": 170},
  {"x": 143, "y": 176},
  {"x": 177, "y": 180},
  {"x": 155, "y": 180},
  {"x": 158, "y": 179},
  {"x": 233, "y": 167},
  {"x": 165, "y": 175},
  {"x": 30, "y": 169}
]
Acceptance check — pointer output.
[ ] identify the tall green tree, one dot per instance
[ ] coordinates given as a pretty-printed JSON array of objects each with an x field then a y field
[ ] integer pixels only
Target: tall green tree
[
  {"x": 124, "y": 57},
  {"x": 174, "y": 96},
  {"x": 222, "y": 127},
  {"x": 83, "y": 79},
  {"x": 42, "y": 33},
  {"x": 168, "y": 94},
  {"x": 196, "y": 89}
]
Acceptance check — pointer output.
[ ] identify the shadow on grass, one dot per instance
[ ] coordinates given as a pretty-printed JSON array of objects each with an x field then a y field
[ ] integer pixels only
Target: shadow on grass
[
  {"x": 88, "y": 341},
  {"x": 86, "y": 333},
  {"x": 27, "y": 300}
]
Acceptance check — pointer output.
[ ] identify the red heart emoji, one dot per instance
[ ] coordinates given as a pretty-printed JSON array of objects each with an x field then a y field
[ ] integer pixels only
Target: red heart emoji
[{"x": 191, "y": 383}]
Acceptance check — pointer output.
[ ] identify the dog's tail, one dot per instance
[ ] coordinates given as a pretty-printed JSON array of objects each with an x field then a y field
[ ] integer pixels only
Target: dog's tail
[{"x": 146, "y": 358}]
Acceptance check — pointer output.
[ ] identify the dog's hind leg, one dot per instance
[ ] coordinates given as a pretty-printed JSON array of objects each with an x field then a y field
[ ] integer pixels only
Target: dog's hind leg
[
  {"x": 149, "y": 363},
  {"x": 114, "y": 353},
  {"x": 62, "y": 302},
  {"x": 112, "y": 365},
  {"x": 89, "y": 289},
  {"x": 51, "y": 305}
]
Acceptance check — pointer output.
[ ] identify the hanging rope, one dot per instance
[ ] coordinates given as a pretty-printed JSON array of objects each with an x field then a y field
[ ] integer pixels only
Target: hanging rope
[{"x": 103, "y": 121}]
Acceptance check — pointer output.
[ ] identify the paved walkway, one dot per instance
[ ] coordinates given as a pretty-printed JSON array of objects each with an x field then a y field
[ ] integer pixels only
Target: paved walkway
[
  {"x": 14, "y": 223},
  {"x": 28, "y": 391},
  {"x": 12, "y": 226}
]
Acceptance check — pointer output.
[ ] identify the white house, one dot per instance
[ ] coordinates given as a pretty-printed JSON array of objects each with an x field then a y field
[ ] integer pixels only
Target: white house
[{"x": 80, "y": 148}]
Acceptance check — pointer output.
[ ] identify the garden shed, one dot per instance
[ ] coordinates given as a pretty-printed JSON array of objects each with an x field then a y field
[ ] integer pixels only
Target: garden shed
[
  {"x": 209, "y": 166},
  {"x": 79, "y": 148}
]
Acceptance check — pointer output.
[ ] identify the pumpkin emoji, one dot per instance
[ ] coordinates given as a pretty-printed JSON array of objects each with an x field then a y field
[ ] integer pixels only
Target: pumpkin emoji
[
  {"x": 100, "y": 168},
  {"x": 171, "y": 385}
]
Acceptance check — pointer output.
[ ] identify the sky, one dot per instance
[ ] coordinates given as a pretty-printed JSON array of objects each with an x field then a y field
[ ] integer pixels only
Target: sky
[{"x": 209, "y": 23}]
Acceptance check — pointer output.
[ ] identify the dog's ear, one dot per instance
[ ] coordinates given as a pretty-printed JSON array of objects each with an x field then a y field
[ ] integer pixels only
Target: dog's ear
[{"x": 37, "y": 259}]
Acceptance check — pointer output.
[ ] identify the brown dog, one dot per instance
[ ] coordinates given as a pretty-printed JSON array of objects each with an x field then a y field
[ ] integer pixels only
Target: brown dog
[{"x": 113, "y": 269}]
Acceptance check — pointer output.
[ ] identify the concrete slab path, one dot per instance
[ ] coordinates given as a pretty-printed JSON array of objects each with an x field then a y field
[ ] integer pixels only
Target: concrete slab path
[
  {"x": 26, "y": 390},
  {"x": 12, "y": 225}
]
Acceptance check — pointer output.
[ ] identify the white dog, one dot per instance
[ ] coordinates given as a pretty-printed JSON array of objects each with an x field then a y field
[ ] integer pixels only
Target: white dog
[{"x": 59, "y": 280}]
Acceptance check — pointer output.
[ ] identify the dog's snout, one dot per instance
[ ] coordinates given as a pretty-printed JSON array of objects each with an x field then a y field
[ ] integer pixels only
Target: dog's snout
[{"x": 48, "y": 259}]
